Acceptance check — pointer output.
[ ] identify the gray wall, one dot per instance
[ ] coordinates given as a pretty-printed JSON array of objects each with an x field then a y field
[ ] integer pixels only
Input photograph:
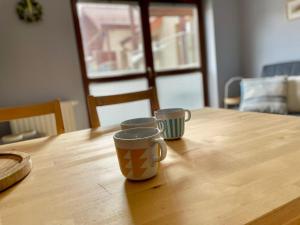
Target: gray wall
[
  {"x": 212, "y": 70},
  {"x": 222, "y": 30},
  {"x": 267, "y": 35},
  {"x": 39, "y": 62},
  {"x": 226, "y": 22},
  {"x": 249, "y": 34}
]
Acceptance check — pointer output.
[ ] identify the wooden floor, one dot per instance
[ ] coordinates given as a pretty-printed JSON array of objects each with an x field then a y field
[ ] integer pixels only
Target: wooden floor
[{"x": 230, "y": 168}]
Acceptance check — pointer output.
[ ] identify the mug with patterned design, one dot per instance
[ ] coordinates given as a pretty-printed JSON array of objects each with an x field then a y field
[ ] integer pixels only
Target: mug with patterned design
[
  {"x": 173, "y": 122},
  {"x": 138, "y": 153}
]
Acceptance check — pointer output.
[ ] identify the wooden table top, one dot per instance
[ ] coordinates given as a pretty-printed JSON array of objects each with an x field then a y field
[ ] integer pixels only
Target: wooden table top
[{"x": 230, "y": 168}]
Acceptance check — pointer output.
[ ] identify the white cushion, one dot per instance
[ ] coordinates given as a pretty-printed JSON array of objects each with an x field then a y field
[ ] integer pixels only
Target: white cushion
[
  {"x": 293, "y": 99},
  {"x": 267, "y": 95}
]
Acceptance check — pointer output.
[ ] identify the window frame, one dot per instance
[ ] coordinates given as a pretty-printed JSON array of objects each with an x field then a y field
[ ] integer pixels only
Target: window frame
[{"x": 145, "y": 24}]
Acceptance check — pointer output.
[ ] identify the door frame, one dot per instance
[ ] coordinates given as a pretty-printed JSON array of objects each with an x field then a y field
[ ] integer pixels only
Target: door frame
[{"x": 144, "y": 8}]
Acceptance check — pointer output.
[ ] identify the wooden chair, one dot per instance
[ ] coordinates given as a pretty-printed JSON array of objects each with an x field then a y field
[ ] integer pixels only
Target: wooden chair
[
  {"x": 93, "y": 102},
  {"x": 7, "y": 114}
]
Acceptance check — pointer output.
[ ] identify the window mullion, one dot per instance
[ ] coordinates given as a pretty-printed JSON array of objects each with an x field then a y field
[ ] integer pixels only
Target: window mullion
[{"x": 144, "y": 4}]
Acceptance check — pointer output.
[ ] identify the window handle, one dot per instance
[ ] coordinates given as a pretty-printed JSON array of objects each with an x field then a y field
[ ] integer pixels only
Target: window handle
[{"x": 150, "y": 72}]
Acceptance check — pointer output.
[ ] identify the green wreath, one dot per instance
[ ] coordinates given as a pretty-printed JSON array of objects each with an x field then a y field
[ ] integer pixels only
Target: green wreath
[{"x": 29, "y": 10}]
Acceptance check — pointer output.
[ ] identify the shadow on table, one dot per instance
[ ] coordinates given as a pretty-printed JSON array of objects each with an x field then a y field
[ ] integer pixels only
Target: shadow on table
[
  {"x": 184, "y": 147},
  {"x": 151, "y": 202},
  {"x": 30, "y": 146},
  {"x": 98, "y": 132}
]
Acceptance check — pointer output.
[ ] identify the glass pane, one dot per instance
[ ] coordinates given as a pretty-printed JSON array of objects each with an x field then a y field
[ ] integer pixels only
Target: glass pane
[
  {"x": 112, "y": 38},
  {"x": 114, "y": 114},
  {"x": 174, "y": 32},
  {"x": 183, "y": 91}
]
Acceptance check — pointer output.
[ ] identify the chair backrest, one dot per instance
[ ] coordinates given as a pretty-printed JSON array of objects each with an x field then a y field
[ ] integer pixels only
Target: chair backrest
[
  {"x": 93, "y": 102},
  {"x": 13, "y": 113}
]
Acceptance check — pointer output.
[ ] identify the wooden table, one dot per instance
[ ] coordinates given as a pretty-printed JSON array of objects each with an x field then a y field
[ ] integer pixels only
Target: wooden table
[{"x": 230, "y": 168}]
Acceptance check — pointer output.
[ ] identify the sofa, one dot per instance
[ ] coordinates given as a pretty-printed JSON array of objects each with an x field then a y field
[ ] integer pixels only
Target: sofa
[{"x": 290, "y": 69}]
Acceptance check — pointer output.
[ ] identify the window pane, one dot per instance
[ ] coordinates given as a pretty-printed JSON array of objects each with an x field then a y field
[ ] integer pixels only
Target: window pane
[
  {"x": 112, "y": 38},
  {"x": 183, "y": 91},
  {"x": 174, "y": 32},
  {"x": 114, "y": 114}
]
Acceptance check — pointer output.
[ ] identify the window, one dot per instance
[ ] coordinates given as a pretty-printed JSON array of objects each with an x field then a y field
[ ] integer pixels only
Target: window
[
  {"x": 112, "y": 38},
  {"x": 174, "y": 33},
  {"x": 126, "y": 46}
]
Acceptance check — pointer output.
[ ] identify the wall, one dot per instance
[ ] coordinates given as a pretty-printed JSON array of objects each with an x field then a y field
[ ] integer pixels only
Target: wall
[
  {"x": 245, "y": 35},
  {"x": 39, "y": 62},
  {"x": 212, "y": 70},
  {"x": 223, "y": 45},
  {"x": 227, "y": 30},
  {"x": 267, "y": 35}
]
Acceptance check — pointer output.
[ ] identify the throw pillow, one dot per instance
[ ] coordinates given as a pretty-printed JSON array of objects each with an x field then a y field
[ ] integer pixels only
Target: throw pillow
[{"x": 268, "y": 95}]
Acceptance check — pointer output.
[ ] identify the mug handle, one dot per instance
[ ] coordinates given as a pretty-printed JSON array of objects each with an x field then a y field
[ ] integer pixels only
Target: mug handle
[
  {"x": 164, "y": 126},
  {"x": 163, "y": 149},
  {"x": 189, "y": 114}
]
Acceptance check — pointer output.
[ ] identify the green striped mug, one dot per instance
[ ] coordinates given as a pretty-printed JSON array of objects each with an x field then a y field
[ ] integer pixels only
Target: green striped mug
[{"x": 172, "y": 121}]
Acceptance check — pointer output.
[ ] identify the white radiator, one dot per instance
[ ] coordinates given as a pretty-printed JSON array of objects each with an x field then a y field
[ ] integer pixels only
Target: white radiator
[{"x": 45, "y": 125}]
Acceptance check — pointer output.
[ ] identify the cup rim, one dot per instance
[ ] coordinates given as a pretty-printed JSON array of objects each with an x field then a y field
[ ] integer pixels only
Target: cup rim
[
  {"x": 134, "y": 122},
  {"x": 171, "y": 113},
  {"x": 137, "y": 138},
  {"x": 168, "y": 111}
]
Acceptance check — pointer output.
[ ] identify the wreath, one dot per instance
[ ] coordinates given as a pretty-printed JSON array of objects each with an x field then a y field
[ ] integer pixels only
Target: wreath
[{"x": 29, "y": 10}]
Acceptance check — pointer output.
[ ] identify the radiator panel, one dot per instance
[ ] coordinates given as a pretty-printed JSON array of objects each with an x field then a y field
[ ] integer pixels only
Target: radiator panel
[{"x": 45, "y": 125}]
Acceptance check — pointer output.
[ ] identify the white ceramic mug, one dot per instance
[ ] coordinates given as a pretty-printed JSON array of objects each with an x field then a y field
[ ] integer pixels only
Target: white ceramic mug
[
  {"x": 138, "y": 153},
  {"x": 173, "y": 121}
]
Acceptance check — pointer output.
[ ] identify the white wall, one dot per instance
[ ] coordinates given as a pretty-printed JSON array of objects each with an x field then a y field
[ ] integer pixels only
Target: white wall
[
  {"x": 39, "y": 61},
  {"x": 267, "y": 35}
]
